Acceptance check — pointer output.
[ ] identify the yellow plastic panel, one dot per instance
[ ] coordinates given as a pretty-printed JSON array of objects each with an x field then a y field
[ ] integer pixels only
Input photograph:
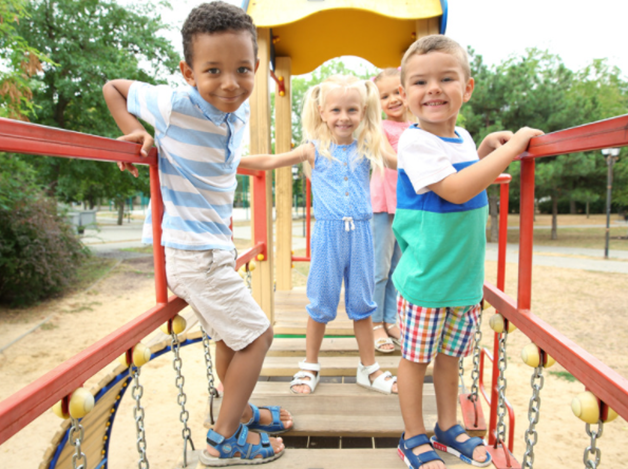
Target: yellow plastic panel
[
  {"x": 272, "y": 13},
  {"x": 379, "y": 39}
]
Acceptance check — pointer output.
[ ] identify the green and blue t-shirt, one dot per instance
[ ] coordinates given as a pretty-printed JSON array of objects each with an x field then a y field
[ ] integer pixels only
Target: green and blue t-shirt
[{"x": 443, "y": 244}]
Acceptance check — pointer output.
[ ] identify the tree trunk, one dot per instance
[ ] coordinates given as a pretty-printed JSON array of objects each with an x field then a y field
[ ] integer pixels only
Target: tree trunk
[
  {"x": 120, "y": 205},
  {"x": 554, "y": 216},
  {"x": 493, "y": 212},
  {"x": 572, "y": 206},
  {"x": 587, "y": 209}
]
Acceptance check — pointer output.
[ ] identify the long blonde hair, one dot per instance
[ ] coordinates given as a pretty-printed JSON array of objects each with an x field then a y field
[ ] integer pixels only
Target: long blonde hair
[{"x": 369, "y": 135}]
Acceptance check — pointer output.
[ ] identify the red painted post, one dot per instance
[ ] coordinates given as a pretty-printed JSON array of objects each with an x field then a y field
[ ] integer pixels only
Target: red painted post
[
  {"x": 159, "y": 258},
  {"x": 526, "y": 235}
]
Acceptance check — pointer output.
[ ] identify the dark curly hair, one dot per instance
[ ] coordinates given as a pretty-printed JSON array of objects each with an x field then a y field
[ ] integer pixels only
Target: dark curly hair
[{"x": 215, "y": 17}]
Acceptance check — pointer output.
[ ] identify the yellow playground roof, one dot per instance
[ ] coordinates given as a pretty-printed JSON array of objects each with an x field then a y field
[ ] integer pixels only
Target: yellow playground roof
[{"x": 313, "y": 31}]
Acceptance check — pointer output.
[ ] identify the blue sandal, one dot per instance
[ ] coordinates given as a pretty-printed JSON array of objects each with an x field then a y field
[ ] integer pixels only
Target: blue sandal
[
  {"x": 446, "y": 441},
  {"x": 229, "y": 447},
  {"x": 414, "y": 461},
  {"x": 274, "y": 428}
]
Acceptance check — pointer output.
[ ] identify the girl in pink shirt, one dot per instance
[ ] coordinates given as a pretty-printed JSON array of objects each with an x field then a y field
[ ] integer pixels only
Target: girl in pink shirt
[{"x": 384, "y": 201}]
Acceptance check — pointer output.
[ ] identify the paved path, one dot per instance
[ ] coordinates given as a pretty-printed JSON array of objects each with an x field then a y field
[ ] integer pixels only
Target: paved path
[{"x": 111, "y": 240}]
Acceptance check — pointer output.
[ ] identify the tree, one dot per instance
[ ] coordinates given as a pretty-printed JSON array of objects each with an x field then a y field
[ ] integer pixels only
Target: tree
[
  {"x": 90, "y": 42},
  {"x": 18, "y": 62}
]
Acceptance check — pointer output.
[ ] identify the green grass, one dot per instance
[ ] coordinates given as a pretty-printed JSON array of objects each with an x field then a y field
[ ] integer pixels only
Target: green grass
[
  {"x": 593, "y": 238},
  {"x": 564, "y": 375}
]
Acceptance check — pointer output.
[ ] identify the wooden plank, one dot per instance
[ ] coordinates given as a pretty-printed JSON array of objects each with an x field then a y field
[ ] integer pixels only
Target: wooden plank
[
  {"x": 294, "y": 458},
  {"x": 262, "y": 281},
  {"x": 330, "y": 366},
  {"x": 283, "y": 176},
  {"x": 332, "y": 346}
]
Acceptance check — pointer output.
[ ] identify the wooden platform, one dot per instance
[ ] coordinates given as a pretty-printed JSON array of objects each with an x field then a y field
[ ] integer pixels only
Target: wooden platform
[
  {"x": 291, "y": 316},
  {"x": 385, "y": 458}
]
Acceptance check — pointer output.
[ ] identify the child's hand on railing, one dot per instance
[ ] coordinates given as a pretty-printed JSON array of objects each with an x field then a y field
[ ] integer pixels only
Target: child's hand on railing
[
  {"x": 137, "y": 136},
  {"x": 521, "y": 139}
]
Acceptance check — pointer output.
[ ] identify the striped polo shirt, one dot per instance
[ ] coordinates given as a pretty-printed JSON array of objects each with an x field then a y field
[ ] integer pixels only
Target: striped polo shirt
[
  {"x": 199, "y": 153},
  {"x": 443, "y": 244}
]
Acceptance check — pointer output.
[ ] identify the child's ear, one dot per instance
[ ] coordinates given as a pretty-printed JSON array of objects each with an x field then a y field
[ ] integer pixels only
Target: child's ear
[
  {"x": 256, "y": 66},
  {"x": 320, "y": 112},
  {"x": 402, "y": 93},
  {"x": 188, "y": 73},
  {"x": 468, "y": 90}
]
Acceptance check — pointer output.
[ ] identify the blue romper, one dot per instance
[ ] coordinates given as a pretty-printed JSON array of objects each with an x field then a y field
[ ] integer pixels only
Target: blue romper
[{"x": 342, "y": 243}]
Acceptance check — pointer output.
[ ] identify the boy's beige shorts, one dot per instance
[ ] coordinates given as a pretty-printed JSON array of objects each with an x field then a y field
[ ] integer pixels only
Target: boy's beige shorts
[{"x": 207, "y": 280}]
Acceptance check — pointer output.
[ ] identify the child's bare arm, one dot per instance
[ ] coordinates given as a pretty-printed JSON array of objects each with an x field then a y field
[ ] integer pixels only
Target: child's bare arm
[
  {"x": 115, "y": 93},
  {"x": 462, "y": 186},
  {"x": 390, "y": 155},
  {"x": 300, "y": 154}
]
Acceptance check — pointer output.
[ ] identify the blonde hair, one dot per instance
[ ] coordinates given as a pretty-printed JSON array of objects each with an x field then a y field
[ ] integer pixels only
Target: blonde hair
[
  {"x": 437, "y": 43},
  {"x": 394, "y": 72},
  {"x": 369, "y": 135}
]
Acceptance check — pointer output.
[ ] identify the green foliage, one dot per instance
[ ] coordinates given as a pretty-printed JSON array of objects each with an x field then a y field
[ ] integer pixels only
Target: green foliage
[
  {"x": 39, "y": 252},
  {"x": 91, "y": 42},
  {"x": 19, "y": 62}
]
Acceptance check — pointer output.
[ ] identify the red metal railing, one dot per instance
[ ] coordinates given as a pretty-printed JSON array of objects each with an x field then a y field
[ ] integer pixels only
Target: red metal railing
[{"x": 23, "y": 407}]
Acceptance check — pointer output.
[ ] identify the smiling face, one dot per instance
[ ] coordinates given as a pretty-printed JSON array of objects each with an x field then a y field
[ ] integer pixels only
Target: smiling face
[
  {"x": 223, "y": 68},
  {"x": 342, "y": 113},
  {"x": 435, "y": 88},
  {"x": 390, "y": 98}
]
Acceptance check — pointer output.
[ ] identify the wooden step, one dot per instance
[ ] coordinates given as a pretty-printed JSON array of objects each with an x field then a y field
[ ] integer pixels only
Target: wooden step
[
  {"x": 332, "y": 346},
  {"x": 346, "y": 410},
  {"x": 330, "y": 365},
  {"x": 338, "y": 458}
]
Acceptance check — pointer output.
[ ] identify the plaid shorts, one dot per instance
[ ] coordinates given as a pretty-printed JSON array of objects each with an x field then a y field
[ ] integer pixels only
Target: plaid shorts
[{"x": 427, "y": 331}]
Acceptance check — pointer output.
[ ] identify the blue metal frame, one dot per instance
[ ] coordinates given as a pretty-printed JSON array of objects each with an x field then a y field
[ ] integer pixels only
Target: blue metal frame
[{"x": 443, "y": 19}]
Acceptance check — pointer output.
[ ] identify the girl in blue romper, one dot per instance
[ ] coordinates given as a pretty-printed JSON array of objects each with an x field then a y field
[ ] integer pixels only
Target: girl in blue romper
[{"x": 341, "y": 117}]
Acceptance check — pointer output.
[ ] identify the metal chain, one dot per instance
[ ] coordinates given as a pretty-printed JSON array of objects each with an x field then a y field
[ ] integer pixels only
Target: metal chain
[
  {"x": 79, "y": 460},
  {"x": 501, "y": 387},
  {"x": 461, "y": 368},
  {"x": 213, "y": 392},
  {"x": 138, "y": 414},
  {"x": 177, "y": 363},
  {"x": 534, "y": 412},
  {"x": 592, "y": 449},
  {"x": 475, "y": 372}
]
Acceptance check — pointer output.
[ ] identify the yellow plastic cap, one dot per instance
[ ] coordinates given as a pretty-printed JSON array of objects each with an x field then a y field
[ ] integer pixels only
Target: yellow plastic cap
[
  {"x": 58, "y": 411},
  {"x": 531, "y": 356},
  {"x": 141, "y": 354},
  {"x": 586, "y": 407},
  {"x": 252, "y": 264},
  {"x": 81, "y": 403},
  {"x": 260, "y": 257},
  {"x": 497, "y": 324},
  {"x": 178, "y": 325}
]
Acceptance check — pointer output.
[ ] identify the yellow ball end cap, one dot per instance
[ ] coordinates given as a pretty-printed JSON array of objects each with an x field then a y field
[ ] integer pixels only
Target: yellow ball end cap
[
  {"x": 586, "y": 407},
  {"x": 260, "y": 257},
  {"x": 81, "y": 403},
  {"x": 531, "y": 355},
  {"x": 141, "y": 355},
  {"x": 58, "y": 411},
  {"x": 253, "y": 265}
]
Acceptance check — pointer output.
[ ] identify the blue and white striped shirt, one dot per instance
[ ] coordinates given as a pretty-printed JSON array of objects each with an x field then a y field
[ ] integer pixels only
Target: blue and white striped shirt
[{"x": 199, "y": 153}]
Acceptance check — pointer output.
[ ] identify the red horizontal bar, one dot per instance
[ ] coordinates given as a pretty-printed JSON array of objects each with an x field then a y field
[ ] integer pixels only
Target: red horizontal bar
[
  {"x": 301, "y": 259},
  {"x": 33, "y": 139},
  {"x": 27, "y": 404},
  {"x": 249, "y": 255},
  {"x": 250, "y": 172},
  {"x": 503, "y": 178},
  {"x": 607, "y": 133},
  {"x": 607, "y": 385}
]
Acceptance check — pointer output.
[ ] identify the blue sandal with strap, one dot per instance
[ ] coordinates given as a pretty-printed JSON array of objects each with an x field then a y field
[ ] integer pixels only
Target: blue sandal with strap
[
  {"x": 274, "y": 428},
  {"x": 446, "y": 441},
  {"x": 415, "y": 461},
  {"x": 237, "y": 444}
]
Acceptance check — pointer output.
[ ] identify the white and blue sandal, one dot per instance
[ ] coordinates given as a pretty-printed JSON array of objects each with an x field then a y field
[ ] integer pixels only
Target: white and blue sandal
[
  {"x": 446, "y": 441},
  {"x": 235, "y": 451}
]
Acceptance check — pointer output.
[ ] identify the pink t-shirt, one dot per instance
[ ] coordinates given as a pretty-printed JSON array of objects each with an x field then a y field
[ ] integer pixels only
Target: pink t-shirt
[{"x": 384, "y": 186}]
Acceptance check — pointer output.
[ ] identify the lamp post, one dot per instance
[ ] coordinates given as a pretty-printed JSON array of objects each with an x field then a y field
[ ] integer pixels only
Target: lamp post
[{"x": 611, "y": 155}]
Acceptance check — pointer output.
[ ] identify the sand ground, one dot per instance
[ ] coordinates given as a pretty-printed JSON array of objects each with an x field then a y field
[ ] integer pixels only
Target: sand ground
[{"x": 589, "y": 307}]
